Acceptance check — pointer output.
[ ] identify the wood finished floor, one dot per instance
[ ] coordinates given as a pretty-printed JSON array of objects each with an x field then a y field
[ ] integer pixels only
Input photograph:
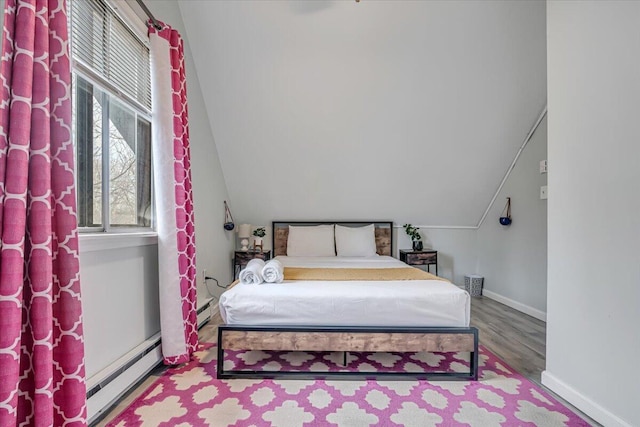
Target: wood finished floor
[{"x": 514, "y": 337}]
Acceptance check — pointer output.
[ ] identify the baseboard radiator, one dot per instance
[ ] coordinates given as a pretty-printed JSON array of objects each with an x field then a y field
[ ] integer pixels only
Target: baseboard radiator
[{"x": 107, "y": 387}]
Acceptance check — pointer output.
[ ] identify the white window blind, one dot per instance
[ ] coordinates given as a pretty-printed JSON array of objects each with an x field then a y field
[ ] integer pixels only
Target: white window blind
[{"x": 108, "y": 50}]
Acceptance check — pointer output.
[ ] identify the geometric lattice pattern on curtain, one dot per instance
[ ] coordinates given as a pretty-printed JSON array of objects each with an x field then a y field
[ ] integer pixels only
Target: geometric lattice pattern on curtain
[
  {"x": 174, "y": 200},
  {"x": 41, "y": 339}
]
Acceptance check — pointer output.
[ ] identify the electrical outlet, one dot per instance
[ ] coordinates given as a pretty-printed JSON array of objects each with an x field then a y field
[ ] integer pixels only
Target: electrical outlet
[
  {"x": 204, "y": 276},
  {"x": 543, "y": 166},
  {"x": 544, "y": 192}
]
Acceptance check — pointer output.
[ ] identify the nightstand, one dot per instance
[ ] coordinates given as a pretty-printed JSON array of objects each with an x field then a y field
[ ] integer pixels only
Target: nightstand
[
  {"x": 241, "y": 258},
  {"x": 426, "y": 257}
]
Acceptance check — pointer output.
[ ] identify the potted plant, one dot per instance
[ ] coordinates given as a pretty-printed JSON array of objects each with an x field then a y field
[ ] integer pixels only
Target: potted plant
[
  {"x": 258, "y": 234},
  {"x": 414, "y": 234}
]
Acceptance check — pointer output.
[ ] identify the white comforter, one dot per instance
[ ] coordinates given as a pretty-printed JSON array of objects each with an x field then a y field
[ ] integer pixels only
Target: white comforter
[{"x": 347, "y": 303}]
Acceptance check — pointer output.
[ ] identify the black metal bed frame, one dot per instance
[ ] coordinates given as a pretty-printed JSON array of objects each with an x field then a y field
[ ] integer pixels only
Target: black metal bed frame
[
  {"x": 236, "y": 374},
  {"x": 233, "y": 374}
]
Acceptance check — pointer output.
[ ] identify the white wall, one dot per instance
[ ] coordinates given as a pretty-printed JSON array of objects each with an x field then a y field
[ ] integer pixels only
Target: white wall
[
  {"x": 594, "y": 223},
  {"x": 513, "y": 259},
  {"x": 119, "y": 301},
  {"x": 403, "y": 111},
  {"x": 407, "y": 110}
]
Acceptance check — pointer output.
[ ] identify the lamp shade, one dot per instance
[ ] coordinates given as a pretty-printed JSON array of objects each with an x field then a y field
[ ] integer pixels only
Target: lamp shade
[{"x": 244, "y": 231}]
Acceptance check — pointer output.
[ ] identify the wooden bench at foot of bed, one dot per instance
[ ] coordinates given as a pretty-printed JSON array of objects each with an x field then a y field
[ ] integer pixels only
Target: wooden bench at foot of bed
[{"x": 347, "y": 339}]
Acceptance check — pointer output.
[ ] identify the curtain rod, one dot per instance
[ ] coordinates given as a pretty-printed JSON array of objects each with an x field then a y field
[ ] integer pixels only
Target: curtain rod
[{"x": 154, "y": 21}]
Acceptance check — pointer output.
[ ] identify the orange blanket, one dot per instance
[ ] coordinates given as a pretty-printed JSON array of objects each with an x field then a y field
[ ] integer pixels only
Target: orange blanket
[{"x": 339, "y": 274}]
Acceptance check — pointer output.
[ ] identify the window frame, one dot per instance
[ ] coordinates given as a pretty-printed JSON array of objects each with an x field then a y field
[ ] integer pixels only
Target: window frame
[{"x": 82, "y": 70}]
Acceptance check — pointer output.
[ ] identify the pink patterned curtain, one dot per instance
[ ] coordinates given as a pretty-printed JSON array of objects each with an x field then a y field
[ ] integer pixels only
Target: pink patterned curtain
[
  {"x": 41, "y": 343},
  {"x": 174, "y": 201}
]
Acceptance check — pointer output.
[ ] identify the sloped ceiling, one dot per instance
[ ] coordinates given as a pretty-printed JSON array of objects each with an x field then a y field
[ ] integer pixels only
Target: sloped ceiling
[{"x": 402, "y": 110}]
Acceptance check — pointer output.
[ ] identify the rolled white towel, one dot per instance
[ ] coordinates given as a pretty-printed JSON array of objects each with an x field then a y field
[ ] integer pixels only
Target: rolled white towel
[
  {"x": 273, "y": 271},
  {"x": 252, "y": 273}
]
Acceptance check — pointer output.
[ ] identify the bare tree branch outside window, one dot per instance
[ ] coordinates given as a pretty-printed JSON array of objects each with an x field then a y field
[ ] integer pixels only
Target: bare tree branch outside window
[{"x": 128, "y": 145}]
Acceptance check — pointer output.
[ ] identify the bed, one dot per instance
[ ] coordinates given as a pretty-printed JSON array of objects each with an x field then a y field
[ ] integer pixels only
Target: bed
[{"x": 371, "y": 303}]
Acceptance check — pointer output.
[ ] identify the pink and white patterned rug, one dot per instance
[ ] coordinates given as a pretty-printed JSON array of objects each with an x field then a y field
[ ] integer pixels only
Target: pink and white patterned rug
[{"x": 190, "y": 395}]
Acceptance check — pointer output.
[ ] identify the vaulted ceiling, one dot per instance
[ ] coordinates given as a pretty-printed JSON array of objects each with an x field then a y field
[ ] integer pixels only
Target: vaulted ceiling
[{"x": 402, "y": 110}]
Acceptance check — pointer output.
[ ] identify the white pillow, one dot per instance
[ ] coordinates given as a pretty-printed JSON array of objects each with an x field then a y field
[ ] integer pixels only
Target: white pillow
[
  {"x": 317, "y": 240},
  {"x": 356, "y": 241}
]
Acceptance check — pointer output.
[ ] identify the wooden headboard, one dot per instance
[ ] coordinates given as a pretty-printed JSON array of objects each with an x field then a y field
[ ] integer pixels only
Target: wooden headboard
[{"x": 383, "y": 229}]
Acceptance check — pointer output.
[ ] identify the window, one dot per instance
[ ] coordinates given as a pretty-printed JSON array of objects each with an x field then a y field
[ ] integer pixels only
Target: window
[{"x": 111, "y": 120}]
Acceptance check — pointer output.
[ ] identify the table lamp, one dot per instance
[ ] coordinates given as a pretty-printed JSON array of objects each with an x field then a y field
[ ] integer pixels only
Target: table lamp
[{"x": 244, "y": 232}]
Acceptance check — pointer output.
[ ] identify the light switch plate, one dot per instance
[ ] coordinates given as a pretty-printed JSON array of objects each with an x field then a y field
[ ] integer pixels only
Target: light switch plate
[{"x": 544, "y": 192}]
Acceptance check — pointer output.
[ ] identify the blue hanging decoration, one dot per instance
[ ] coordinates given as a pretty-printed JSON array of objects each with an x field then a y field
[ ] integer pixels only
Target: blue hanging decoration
[
  {"x": 228, "y": 219},
  {"x": 505, "y": 219}
]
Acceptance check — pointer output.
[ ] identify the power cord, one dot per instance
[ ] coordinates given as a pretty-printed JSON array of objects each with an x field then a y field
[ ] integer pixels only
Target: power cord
[
  {"x": 215, "y": 298},
  {"x": 206, "y": 284}
]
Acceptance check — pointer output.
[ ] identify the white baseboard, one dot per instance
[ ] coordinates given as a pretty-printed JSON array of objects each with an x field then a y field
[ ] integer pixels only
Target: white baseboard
[
  {"x": 118, "y": 380},
  {"x": 205, "y": 312},
  {"x": 586, "y": 405},
  {"x": 533, "y": 312},
  {"x": 114, "y": 381}
]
